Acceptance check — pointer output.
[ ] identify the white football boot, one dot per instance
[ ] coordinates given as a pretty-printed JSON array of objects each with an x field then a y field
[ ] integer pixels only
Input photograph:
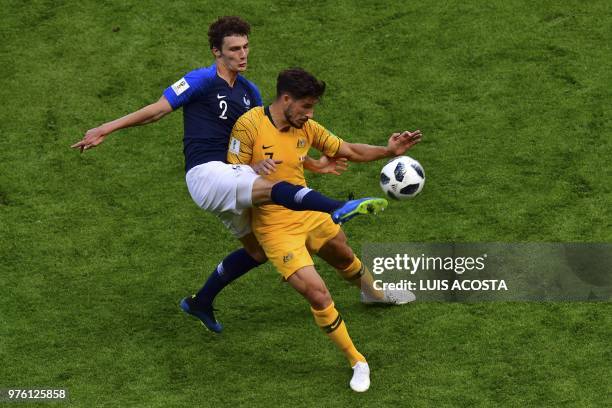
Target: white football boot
[
  {"x": 361, "y": 377},
  {"x": 392, "y": 297}
]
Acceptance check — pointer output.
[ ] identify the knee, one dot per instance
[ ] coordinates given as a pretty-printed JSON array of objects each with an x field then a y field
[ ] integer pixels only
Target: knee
[{"x": 319, "y": 297}]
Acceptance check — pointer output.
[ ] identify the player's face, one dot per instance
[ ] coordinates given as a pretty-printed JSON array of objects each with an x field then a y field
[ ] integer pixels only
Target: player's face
[
  {"x": 234, "y": 53},
  {"x": 298, "y": 111}
]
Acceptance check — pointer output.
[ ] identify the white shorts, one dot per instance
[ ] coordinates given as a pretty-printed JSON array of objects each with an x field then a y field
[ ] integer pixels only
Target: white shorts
[{"x": 225, "y": 190}]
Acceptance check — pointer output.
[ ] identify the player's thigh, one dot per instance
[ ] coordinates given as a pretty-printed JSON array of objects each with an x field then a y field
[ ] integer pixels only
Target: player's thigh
[
  {"x": 286, "y": 250},
  {"x": 327, "y": 236},
  {"x": 337, "y": 252},
  {"x": 309, "y": 284},
  {"x": 250, "y": 243},
  {"x": 238, "y": 222},
  {"x": 221, "y": 187}
]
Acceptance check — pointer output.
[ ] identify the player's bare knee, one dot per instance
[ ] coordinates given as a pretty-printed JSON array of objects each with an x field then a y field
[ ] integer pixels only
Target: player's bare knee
[{"x": 319, "y": 297}]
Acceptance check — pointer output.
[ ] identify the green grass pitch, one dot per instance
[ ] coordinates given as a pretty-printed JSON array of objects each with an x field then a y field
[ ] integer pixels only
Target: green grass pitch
[{"x": 514, "y": 100}]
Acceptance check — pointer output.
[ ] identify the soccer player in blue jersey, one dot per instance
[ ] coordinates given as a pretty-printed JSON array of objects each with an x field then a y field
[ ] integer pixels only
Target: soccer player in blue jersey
[{"x": 212, "y": 99}]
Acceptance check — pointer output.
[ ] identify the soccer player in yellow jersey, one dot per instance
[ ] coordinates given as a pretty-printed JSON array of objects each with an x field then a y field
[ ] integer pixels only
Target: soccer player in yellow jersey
[{"x": 281, "y": 134}]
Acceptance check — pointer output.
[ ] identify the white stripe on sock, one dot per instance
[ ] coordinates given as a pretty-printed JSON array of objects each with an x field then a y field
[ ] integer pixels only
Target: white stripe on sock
[
  {"x": 299, "y": 196},
  {"x": 220, "y": 270}
]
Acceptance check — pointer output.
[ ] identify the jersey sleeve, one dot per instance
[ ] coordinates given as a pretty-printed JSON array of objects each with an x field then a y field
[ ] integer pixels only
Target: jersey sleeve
[
  {"x": 323, "y": 140},
  {"x": 242, "y": 140},
  {"x": 188, "y": 87}
]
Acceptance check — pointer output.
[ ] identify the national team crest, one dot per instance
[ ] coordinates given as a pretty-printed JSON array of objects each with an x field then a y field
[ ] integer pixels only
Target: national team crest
[
  {"x": 301, "y": 143},
  {"x": 247, "y": 101}
]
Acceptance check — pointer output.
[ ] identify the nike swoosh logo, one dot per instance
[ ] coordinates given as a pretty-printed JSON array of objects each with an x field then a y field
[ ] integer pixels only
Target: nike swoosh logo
[
  {"x": 221, "y": 96},
  {"x": 266, "y": 147}
]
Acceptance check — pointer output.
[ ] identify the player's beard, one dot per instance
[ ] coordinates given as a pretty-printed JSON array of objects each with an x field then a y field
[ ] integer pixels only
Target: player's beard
[{"x": 289, "y": 117}]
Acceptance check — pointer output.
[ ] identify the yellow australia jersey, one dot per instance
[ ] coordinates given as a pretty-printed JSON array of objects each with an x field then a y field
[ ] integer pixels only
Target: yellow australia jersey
[{"x": 255, "y": 138}]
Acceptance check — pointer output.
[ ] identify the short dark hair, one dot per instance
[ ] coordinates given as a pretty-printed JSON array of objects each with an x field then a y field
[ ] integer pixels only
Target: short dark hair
[
  {"x": 225, "y": 27},
  {"x": 299, "y": 84}
]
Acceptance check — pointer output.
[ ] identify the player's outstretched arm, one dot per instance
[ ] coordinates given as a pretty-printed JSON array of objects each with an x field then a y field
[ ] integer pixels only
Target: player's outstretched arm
[
  {"x": 148, "y": 114},
  {"x": 397, "y": 145}
]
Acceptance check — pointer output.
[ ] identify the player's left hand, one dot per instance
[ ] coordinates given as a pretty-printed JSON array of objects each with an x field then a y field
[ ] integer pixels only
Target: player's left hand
[
  {"x": 327, "y": 165},
  {"x": 266, "y": 167},
  {"x": 400, "y": 142}
]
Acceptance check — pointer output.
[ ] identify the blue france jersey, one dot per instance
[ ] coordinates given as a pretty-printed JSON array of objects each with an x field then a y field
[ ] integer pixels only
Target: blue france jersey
[{"x": 210, "y": 109}]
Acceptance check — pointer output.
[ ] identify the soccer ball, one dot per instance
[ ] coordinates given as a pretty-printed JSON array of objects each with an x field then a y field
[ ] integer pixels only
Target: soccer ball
[{"x": 402, "y": 178}]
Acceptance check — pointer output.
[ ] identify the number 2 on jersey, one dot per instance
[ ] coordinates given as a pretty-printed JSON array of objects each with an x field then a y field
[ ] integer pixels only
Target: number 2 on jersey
[{"x": 223, "y": 107}]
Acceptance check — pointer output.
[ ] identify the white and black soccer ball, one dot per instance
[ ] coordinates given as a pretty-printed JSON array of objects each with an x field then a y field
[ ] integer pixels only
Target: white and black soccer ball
[{"x": 402, "y": 178}]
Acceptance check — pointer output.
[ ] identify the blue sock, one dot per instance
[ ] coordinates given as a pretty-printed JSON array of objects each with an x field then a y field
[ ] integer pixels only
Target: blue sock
[
  {"x": 231, "y": 268},
  {"x": 300, "y": 198}
]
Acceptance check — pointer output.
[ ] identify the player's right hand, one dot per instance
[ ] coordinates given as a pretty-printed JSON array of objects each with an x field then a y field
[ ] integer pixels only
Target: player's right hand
[
  {"x": 400, "y": 142},
  {"x": 266, "y": 167},
  {"x": 92, "y": 138}
]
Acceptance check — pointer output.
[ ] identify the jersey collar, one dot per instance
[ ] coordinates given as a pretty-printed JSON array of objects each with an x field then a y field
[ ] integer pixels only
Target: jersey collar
[{"x": 269, "y": 115}]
